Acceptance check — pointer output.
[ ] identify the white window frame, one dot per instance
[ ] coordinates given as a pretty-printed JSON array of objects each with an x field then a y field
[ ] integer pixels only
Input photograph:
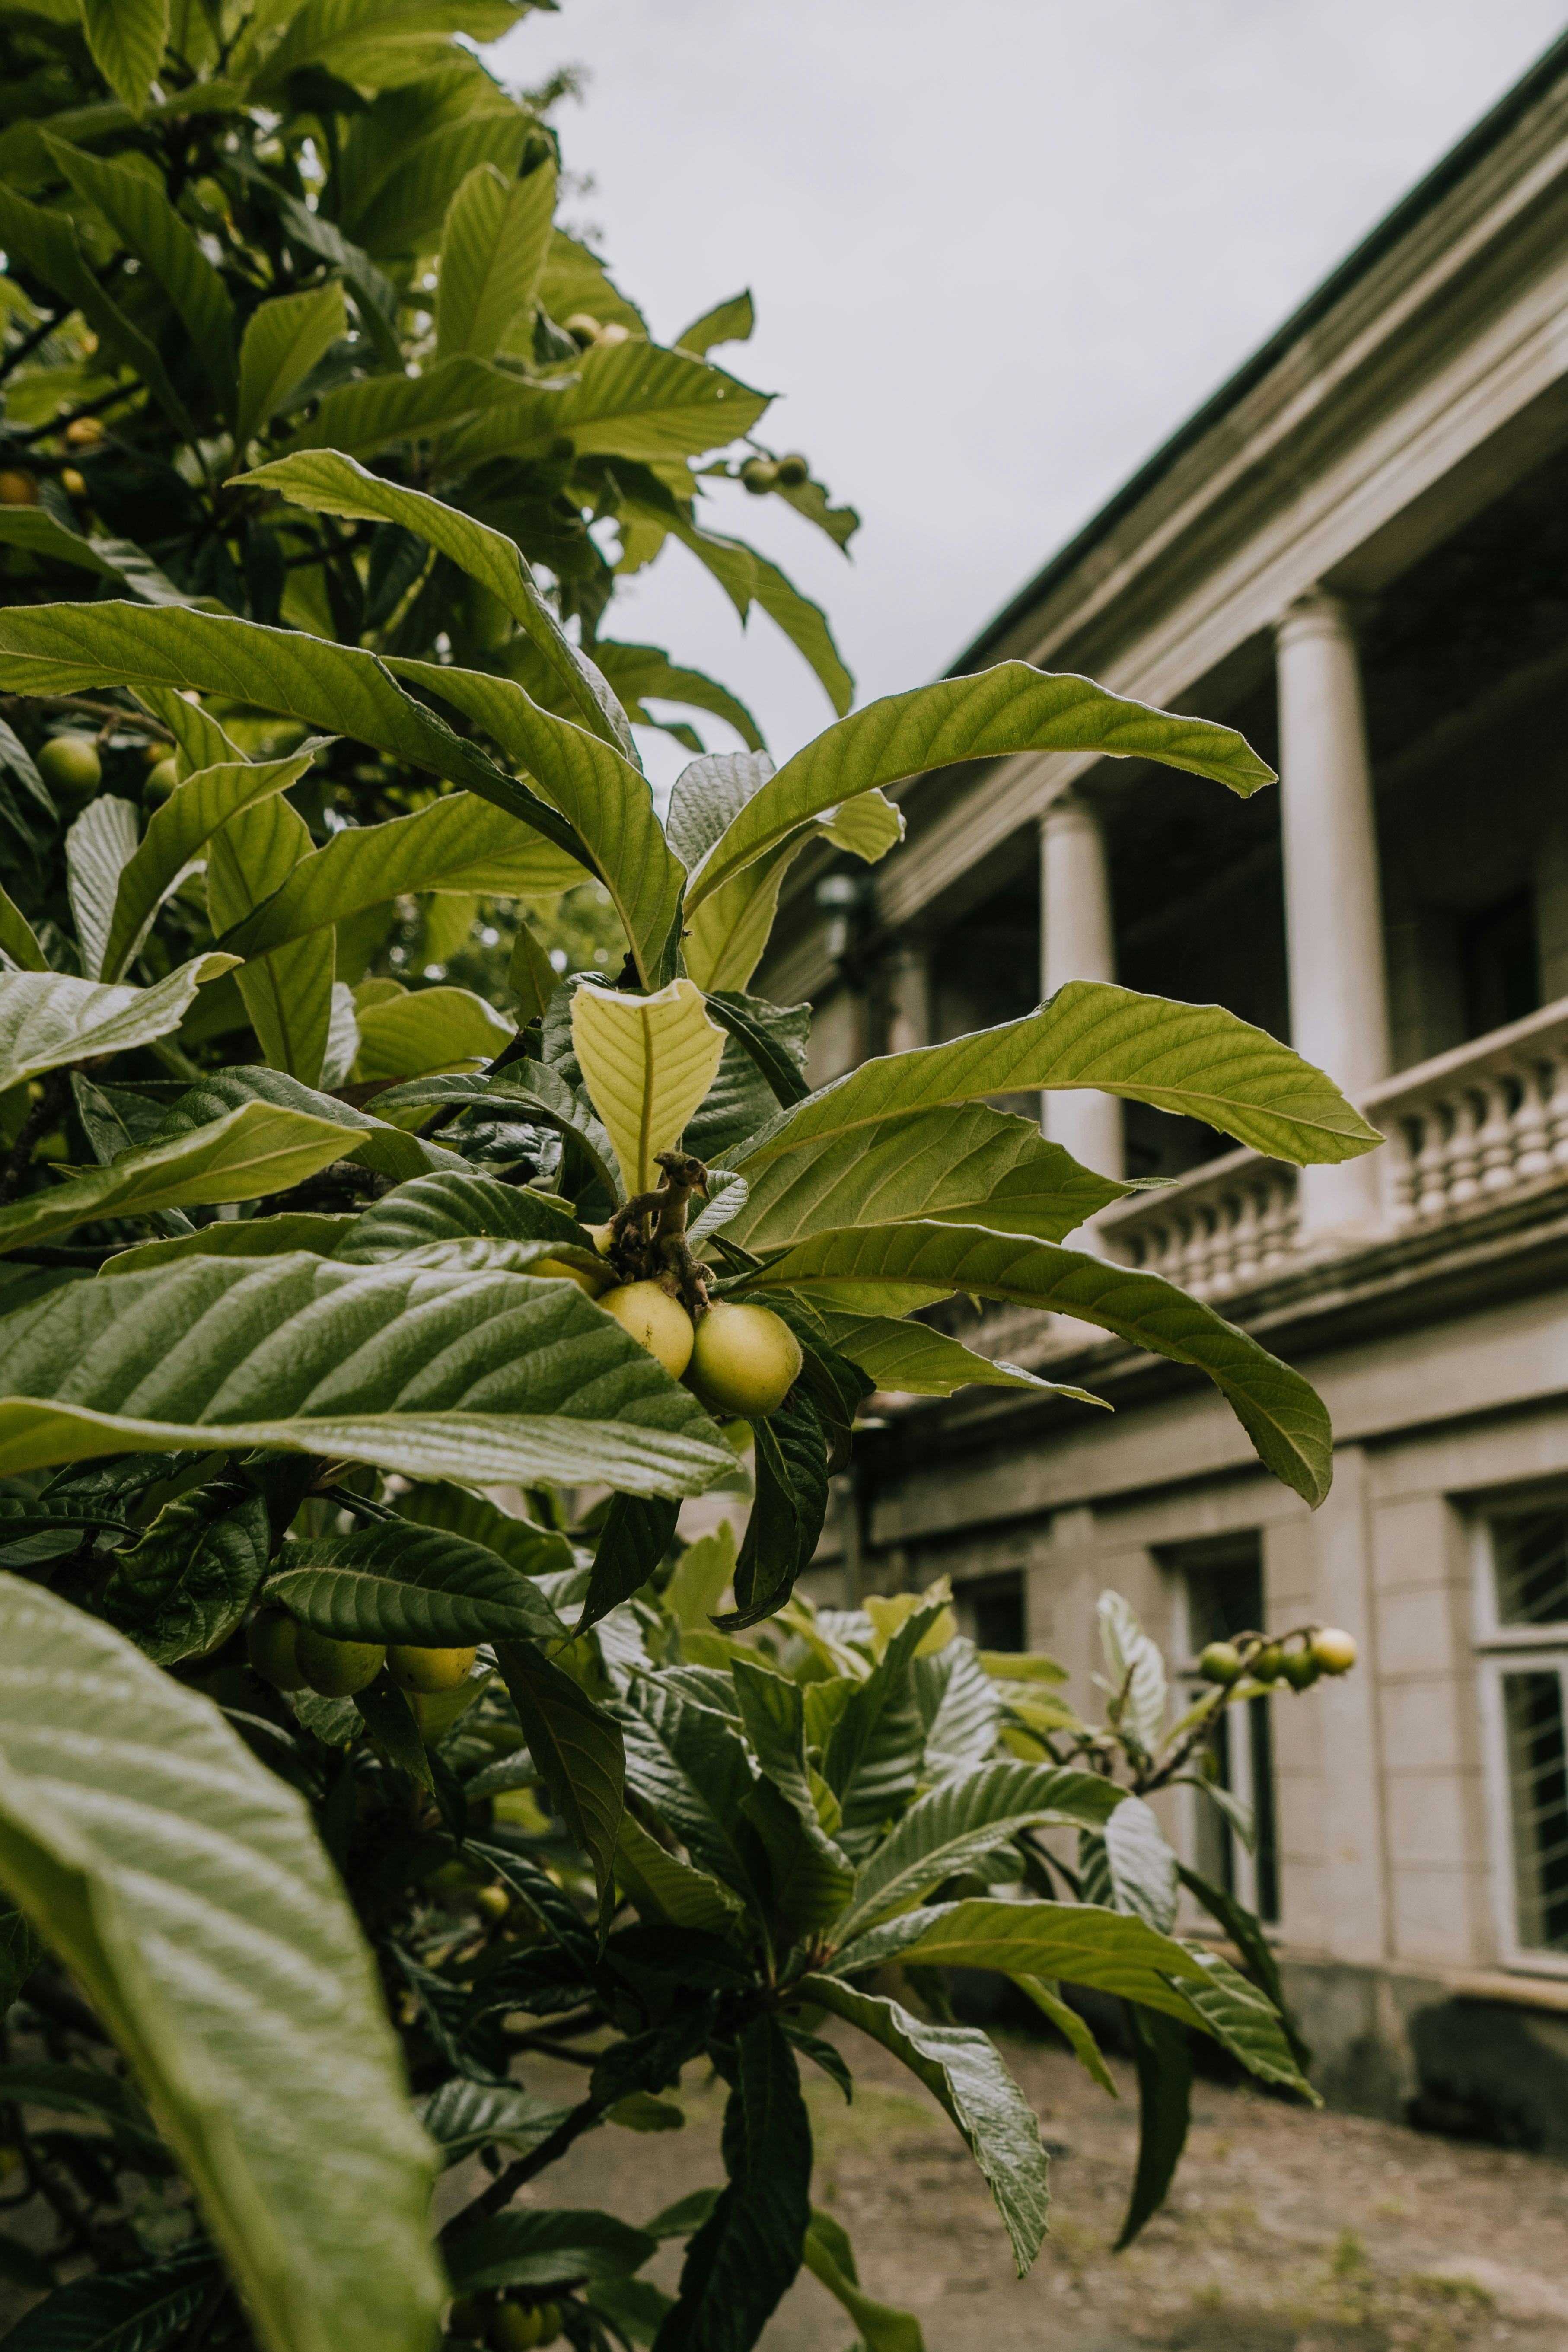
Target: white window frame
[{"x": 1499, "y": 1650}]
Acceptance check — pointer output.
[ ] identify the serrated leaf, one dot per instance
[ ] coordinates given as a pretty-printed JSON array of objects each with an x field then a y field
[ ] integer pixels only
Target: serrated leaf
[
  {"x": 1246, "y": 1932},
  {"x": 1137, "y": 1674},
  {"x": 494, "y": 246},
  {"x": 135, "y": 205},
  {"x": 647, "y": 671},
  {"x": 289, "y": 994},
  {"x": 961, "y": 1164},
  {"x": 811, "y": 1877},
  {"x": 329, "y": 483},
  {"x": 182, "y": 1588},
  {"x": 529, "y": 1090},
  {"x": 635, "y": 1535},
  {"x": 688, "y": 1761},
  {"x": 126, "y": 38},
  {"x": 411, "y": 1585},
  {"x": 98, "y": 847},
  {"x": 432, "y": 1029},
  {"x": 442, "y": 1208},
  {"x": 942, "y": 1832},
  {"x": 284, "y": 339},
  {"x": 1130, "y": 1866},
  {"x": 878, "y": 1742},
  {"x": 648, "y": 1062},
  {"x": 181, "y": 827},
  {"x": 495, "y": 1379},
  {"x": 625, "y": 400},
  {"x": 892, "y": 1269},
  {"x": 462, "y": 2116},
  {"x": 578, "y": 1749},
  {"x": 960, "y": 2066},
  {"x": 363, "y": 417},
  {"x": 662, "y": 1887},
  {"x": 1047, "y": 2000},
  {"x": 913, "y": 1360},
  {"x": 367, "y": 1140},
  {"x": 129, "y": 2311},
  {"x": 256, "y": 1149},
  {"x": 46, "y": 242},
  {"x": 375, "y": 41},
  {"x": 1010, "y": 708},
  {"x": 786, "y": 1519},
  {"x": 183, "y": 1885}
]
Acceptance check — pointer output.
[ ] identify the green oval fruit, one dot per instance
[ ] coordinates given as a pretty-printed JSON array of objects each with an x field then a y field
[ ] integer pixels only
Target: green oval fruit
[
  {"x": 745, "y": 1359},
  {"x": 467, "y": 2318},
  {"x": 556, "y": 1269},
  {"x": 427, "y": 1671},
  {"x": 70, "y": 766},
  {"x": 793, "y": 472},
  {"x": 161, "y": 778},
  {"x": 337, "y": 1669},
  {"x": 1268, "y": 1665},
  {"x": 656, "y": 1321},
  {"x": 271, "y": 1647},
  {"x": 549, "y": 2322},
  {"x": 515, "y": 2327},
  {"x": 1301, "y": 1669},
  {"x": 1335, "y": 1651},
  {"x": 603, "y": 1238},
  {"x": 759, "y": 475},
  {"x": 1221, "y": 1663}
]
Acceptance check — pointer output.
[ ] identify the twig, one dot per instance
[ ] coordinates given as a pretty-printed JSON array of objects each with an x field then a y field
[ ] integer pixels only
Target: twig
[{"x": 136, "y": 721}]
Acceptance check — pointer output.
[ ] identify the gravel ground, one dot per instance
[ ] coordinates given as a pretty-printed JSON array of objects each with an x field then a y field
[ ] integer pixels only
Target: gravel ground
[{"x": 1289, "y": 2230}]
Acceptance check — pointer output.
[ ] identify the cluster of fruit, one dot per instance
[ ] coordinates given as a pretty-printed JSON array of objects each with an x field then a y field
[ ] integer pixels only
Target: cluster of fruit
[
  {"x": 20, "y": 488},
  {"x": 508, "y": 2326},
  {"x": 1266, "y": 1658},
  {"x": 70, "y": 766},
  {"x": 293, "y": 1658},
  {"x": 584, "y": 329},
  {"x": 790, "y": 472}
]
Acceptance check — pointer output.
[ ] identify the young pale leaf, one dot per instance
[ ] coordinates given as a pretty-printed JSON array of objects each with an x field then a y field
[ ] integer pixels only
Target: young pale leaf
[
  {"x": 1165, "y": 2067},
  {"x": 577, "y": 1747},
  {"x": 257, "y": 1150},
  {"x": 98, "y": 847},
  {"x": 913, "y": 1360},
  {"x": 601, "y": 797},
  {"x": 963, "y": 1164},
  {"x": 960, "y": 2067},
  {"x": 1129, "y": 1866},
  {"x": 494, "y": 248},
  {"x": 146, "y": 223},
  {"x": 747, "y": 2253},
  {"x": 187, "y": 820},
  {"x": 492, "y": 1379},
  {"x": 648, "y": 1062},
  {"x": 184, "y": 1886},
  {"x": 1010, "y": 708},
  {"x": 283, "y": 341},
  {"x": 942, "y": 1832},
  {"x": 49, "y": 1018},
  {"x": 701, "y": 1575},
  {"x": 892, "y": 1269},
  {"x": 1136, "y": 1671},
  {"x": 437, "y": 1029},
  {"x": 727, "y": 322},
  {"x": 329, "y": 483},
  {"x": 126, "y": 38},
  {"x": 625, "y": 400},
  {"x": 417, "y": 1586}
]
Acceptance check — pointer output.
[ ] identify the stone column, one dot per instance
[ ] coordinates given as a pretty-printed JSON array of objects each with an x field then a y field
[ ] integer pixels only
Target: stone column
[
  {"x": 1077, "y": 943},
  {"x": 1333, "y": 913},
  {"x": 906, "y": 997}
]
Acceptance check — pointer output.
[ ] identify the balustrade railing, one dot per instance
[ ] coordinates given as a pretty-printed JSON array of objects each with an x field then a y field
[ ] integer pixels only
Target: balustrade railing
[
  {"x": 1229, "y": 1225},
  {"x": 1478, "y": 1125}
]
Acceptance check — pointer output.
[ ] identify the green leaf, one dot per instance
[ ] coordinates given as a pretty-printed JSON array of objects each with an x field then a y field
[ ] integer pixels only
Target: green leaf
[
  {"x": 363, "y": 417},
  {"x": 892, "y": 1269},
  {"x": 1165, "y": 2067},
  {"x": 80, "y": 2091},
  {"x": 185, "y": 1586},
  {"x": 942, "y": 1832},
  {"x": 98, "y": 847},
  {"x": 126, "y": 38},
  {"x": 1136, "y": 1671},
  {"x": 961, "y": 1164},
  {"x": 17, "y": 937},
  {"x": 1246, "y": 1932},
  {"x": 38, "y": 530},
  {"x": 369, "y": 1141},
  {"x": 181, "y": 827},
  {"x": 541, "y": 1094},
  {"x": 786, "y": 1519},
  {"x": 20, "y": 1951},
  {"x": 284, "y": 339},
  {"x": 288, "y": 994},
  {"x": 251, "y": 1151},
  {"x": 495, "y": 1379},
  {"x": 913, "y": 1360},
  {"x": 1129, "y": 1866},
  {"x": 811, "y": 1877},
  {"x": 662, "y": 1887},
  {"x": 748, "y": 2251},
  {"x": 295, "y": 1229},
  {"x": 635, "y": 1535},
  {"x": 433, "y": 1029},
  {"x": 135, "y": 205},
  {"x": 960, "y": 2067},
  {"x": 701, "y": 1575},
  {"x": 770, "y": 1037},
  {"x": 648, "y": 1062},
  {"x": 45, "y": 243},
  {"x": 416, "y": 1586},
  {"x": 536, "y": 1551},
  {"x": 829, "y": 2258},
  {"x": 604, "y": 802},
  {"x": 129, "y": 2311},
  {"x": 326, "y": 482},
  {"x": 545, "y": 2248},
  {"x": 462, "y": 2116},
  {"x": 388, "y": 1717},
  {"x": 443, "y": 1208},
  {"x": 184, "y": 1886},
  {"x": 639, "y": 671},
  {"x": 688, "y": 1761},
  {"x": 727, "y": 322},
  {"x": 623, "y": 400},
  {"x": 1010, "y": 708},
  {"x": 199, "y": 740},
  {"x": 1198, "y": 1061},
  {"x": 63, "y": 648},
  {"x": 577, "y": 1747},
  {"x": 576, "y": 279},
  {"x": 1047, "y": 2000},
  {"x": 493, "y": 250},
  {"x": 876, "y": 1746},
  {"x": 377, "y": 43}
]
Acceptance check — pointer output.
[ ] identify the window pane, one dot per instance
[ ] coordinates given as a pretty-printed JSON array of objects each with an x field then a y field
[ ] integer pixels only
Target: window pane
[
  {"x": 1538, "y": 1793},
  {"x": 1530, "y": 1550}
]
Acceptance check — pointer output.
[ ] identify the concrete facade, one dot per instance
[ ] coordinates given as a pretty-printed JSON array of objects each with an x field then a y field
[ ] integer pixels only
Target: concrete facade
[{"x": 1354, "y": 553}]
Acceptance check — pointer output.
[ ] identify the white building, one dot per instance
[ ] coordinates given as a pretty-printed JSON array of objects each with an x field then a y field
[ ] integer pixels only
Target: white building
[{"x": 1357, "y": 553}]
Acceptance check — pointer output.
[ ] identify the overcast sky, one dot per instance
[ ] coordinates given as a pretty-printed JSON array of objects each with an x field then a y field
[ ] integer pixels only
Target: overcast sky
[{"x": 998, "y": 251}]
